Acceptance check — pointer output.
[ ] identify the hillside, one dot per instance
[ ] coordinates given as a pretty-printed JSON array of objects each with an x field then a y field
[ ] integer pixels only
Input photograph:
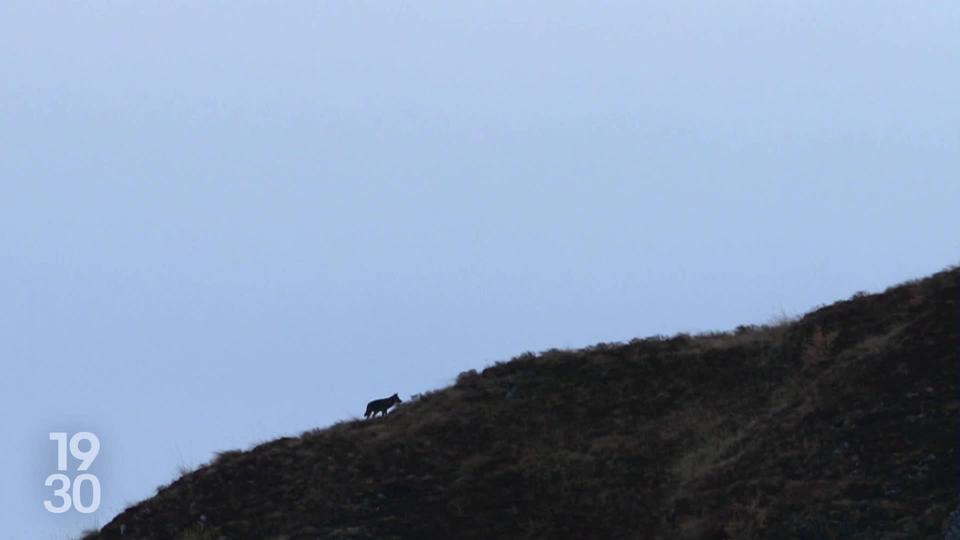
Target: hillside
[{"x": 840, "y": 424}]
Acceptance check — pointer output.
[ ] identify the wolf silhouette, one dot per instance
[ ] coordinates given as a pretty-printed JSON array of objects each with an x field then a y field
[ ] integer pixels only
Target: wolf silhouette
[{"x": 381, "y": 406}]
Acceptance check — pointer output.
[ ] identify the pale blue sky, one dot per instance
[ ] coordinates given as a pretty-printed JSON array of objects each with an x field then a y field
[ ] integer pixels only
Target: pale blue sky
[{"x": 224, "y": 222}]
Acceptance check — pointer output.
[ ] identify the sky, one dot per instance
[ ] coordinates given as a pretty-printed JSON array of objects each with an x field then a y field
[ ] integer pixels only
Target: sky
[{"x": 225, "y": 222}]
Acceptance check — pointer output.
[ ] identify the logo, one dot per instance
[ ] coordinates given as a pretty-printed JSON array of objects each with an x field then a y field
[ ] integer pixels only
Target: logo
[{"x": 69, "y": 492}]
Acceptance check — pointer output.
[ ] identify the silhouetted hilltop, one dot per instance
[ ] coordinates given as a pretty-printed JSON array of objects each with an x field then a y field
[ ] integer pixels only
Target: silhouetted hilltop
[{"x": 840, "y": 424}]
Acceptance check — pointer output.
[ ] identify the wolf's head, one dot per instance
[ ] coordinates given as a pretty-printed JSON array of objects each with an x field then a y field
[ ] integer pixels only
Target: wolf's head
[{"x": 396, "y": 398}]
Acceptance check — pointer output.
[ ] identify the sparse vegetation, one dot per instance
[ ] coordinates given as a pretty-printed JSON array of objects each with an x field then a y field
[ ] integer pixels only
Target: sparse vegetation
[{"x": 837, "y": 424}]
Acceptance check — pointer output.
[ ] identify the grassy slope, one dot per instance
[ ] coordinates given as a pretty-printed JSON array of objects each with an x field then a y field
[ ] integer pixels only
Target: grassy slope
[{"x": 841, "y": 424}]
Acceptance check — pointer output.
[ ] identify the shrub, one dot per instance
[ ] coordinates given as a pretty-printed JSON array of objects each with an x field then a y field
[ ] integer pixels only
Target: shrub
[
  {"x": 468, "y": 378},
  {"x": 818, "y": 347}
]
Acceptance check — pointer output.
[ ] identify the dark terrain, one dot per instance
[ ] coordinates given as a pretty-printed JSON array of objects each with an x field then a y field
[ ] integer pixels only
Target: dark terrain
[{"x": 839, "y": 424}]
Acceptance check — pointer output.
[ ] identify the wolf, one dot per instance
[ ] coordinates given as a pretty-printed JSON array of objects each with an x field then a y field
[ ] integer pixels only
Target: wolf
[{"x": 381, "y": 406}]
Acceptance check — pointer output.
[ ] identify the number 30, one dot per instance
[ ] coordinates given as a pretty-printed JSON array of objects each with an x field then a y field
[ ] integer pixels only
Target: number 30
[{"x": 75, "y": 500}]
